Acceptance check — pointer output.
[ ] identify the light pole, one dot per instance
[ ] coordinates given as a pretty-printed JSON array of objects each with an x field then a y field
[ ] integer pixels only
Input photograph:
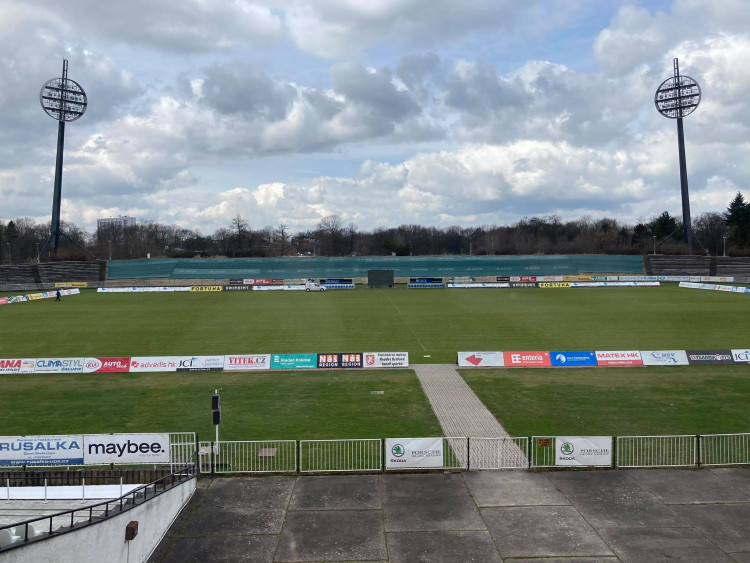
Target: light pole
[
  {"x": 654, "y": 245},
  {"x": 110, "y": 249},
  {"x": 37, "y": 253},
  {"x": 725, "y": 245},
  {"x": 10, "y": 256}
]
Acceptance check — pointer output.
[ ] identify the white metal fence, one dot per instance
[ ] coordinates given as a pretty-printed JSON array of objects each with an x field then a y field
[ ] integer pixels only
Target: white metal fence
[
  {"x": 182, "y": 448},
  {"x": 270, "y": 456},
  {"x": 657, "y": 451},
  {"x": 341, "y": 455},
  {"x": 498, "y": 453},
  {"x": 725, "y": 449}
]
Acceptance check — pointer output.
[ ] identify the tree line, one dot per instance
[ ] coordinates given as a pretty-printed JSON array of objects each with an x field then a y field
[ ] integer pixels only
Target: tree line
[{"x": 22, "y": 240}]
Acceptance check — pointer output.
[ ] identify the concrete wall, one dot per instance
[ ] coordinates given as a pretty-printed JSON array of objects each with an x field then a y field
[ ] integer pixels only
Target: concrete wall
[{"x": 105, "y": 541}]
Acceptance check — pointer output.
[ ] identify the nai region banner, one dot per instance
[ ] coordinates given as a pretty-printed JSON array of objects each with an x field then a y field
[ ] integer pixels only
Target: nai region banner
[
  {"x": 619, "y": 358},
  {"x": 587, "y": 451},
  {"x": 664, "y": 357},
  {"x": 41, "y": 450},
  {"x": 527, "y": 359},
  {"x": 408, "y": 453},
  {"x": 247, "y": 362},
  {"x": 480, "y": 359},
  {"x": 125, "y": 448},
  {"x": 386, "y": 359},
  {"x": 340, "y": 360}
]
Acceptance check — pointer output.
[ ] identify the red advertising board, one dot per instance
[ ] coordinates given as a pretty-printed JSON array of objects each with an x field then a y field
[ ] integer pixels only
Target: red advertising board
[
  {"x": 264, "y": 281},
  {"x": 106, "y": 365},
  {"x": 3, "y": 300},
  {"x": 619, "y": 358},
  {"x": 527, "y": 359}
]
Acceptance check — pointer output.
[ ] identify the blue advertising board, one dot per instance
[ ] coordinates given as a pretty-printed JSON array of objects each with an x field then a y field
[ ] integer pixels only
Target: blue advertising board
[
  {"x": 294, "y": 361},
  {"x": 573, "y": 359},
  {"x": 41, "y": 450}
]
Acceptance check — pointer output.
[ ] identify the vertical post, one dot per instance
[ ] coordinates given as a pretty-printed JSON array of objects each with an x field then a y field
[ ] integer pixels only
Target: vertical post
[
  {"x": 468, "y": 453},
  {"x": 698, "y": 450},
  {"x": 684, "y": 188},
  {"x": 54, "y": 238}
]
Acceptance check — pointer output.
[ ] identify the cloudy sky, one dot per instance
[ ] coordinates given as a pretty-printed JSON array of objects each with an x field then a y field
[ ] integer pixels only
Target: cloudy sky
[{"x": 384, "y": 112}]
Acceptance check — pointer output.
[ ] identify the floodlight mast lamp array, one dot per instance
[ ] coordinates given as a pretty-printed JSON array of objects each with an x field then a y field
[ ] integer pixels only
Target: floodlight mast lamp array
[
  {"x": 64, "y": 100},
  {"x": 676, "y": 98}
]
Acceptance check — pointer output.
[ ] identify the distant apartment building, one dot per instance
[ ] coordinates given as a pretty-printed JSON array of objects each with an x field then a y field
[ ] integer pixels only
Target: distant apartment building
[{"x": 120, "y": 222}]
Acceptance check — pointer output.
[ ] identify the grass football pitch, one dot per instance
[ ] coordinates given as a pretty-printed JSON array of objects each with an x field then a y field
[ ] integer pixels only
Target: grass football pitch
[{"x": 432, "y": 325}]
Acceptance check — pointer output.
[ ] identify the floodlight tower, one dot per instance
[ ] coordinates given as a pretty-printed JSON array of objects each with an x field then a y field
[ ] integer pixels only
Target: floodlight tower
[
  {"x": 64, "y": 100},
  {"x": 677, "y": 97}
]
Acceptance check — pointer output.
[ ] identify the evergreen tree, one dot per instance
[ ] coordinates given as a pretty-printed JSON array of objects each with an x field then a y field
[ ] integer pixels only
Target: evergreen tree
[{"x": 738, "y": 220}]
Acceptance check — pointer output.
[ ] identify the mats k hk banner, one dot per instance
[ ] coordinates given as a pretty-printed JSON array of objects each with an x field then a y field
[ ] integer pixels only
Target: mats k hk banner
[
  {"x": 407, "y": 453},
  {"x": 587, "y": 451}
]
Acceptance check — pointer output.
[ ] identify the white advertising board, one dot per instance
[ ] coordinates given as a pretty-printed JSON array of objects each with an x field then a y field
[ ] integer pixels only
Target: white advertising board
[
  {"x": 477, "y": 285},
  {"x": 664, "y": 357},
  {"x": 741, "y": 356},
  {"x": 587, "y": 451},
  {"x": 199, "y": 363},
  {"x": 245, "y": 362},
  {"x": 386, "y": 360},
  {"x": 17, "y": 365},
  {"x": 278, "y": 288},
  {"x": 125, "y": 448},
  {"x": 403, "y": 453},
  {"x": 152, "y": 363},
  {"x": 481, "y": 359},
  {"x": 58, "y": 365},
  {"x": 41, "y": 450}
]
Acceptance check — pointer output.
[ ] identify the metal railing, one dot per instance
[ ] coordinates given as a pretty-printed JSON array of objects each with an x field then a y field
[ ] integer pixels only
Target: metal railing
[
  {"x": 269, "y": 456},
  {"x": 657, "y": 451},
  {"x": 725, "y": 449},
  {"x": 19, "y": 534},
  {"x": 341, "y": 455},
  {"x": 498, "y": 453}
]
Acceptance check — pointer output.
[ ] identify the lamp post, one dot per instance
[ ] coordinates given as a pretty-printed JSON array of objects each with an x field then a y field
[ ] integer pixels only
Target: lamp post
[
  {"x": 654, "y": 245},
  {"x": 725, "y": 245},
  {"x": 110, "y": 249},
  {"x": 10, "y": 256},
  {"x": 37, "y": 253}
]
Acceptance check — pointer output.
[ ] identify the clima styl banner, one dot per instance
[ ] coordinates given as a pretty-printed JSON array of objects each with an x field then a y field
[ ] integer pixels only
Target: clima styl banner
[
  {"x": 58, "y": 365},
  {"x": 386, "y": 359},
  {"x": 409, "y": 453},
  {"x": 125, "y": 448},
  {"x": 480, "y": 359},
  {"x": 41, "y": 450},
  {"x": 587, "y": 451}
]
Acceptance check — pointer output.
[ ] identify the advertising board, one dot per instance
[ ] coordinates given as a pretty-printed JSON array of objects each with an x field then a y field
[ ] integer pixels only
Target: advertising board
[
  {"x": 247, "y": 362},
  {"x": 140, "y": 364},
  {"x": 237, "y": 288},
  {"x": 294, "y": 361},
  {"x": 502, "y": 278},
  {"x": 125, "y": 448},
  {"x": 340, "y": 360},
  {"x": 527, "y": 359},
  {"x": 41, "y": 450},
  {"x": 106, "y": 365},
  {"x": 408, "y": 453},
  {"x": 58, "y": 365},
  {"x": 205, "y": 288},
  {"x": 707, "y": 357},
  {"x": 573, "y": 359},
  {"x": 664, "y": 357},
  {"x": 386, "y": 359},
  {"x": 549, "y": 278},
  {"x": 587, "y": 451},
  {"x": 552, "y": 285},
  {"x": 72, "y": 284},
  {"x": 523, "y": 278},
  {"x": 199, "y": 363},
  {"x": 476, "y": 285},
  {"x": 576, "y": 278},
  {"x": 3, "y": 300},
  {"x": 619, "y": 358},
  {"x": 17, "y": 365},
  {"x": 524, "y": 284},
  {"x": 741, "y": 356},
  {"x": 480, "y": 359}
]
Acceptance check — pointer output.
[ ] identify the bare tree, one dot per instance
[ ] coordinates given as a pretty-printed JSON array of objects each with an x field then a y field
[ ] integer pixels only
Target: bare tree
[{"x": 282, "y": 237}]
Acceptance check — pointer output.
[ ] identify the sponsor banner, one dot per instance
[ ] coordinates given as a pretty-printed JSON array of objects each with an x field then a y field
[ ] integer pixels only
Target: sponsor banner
[
  {"x": 741, "y": 356},
  {"x": 524, "y": 284},
  {"x": 199, "y": 363},
  {"x": 265, "y": 281},
  {"x": 674, "y": 278},
  {"x": 502, "y": 278},
  {"x": 142, "y": 289},
  {"x": 205, "y": 288},
  {"x": 72, "y": 284},
  {"x": 619, "y": 358},
  {"x": 638, "y": 278},
  {"x": 247, "y": 362},
  {"x": 407, "y": 453},
  {"x": 294, "y": 361},
  {"x": 704, "y": 357},
  {"x": 587, "y": 451},
  {"x": 236, "y": 282},
  {"x": 573, "y": 359},
  {"x": 477, "y": 285},
  {"x": 527, "y": 359},
  {"x": 348, "y": 360},
  {"x": 616, "y": 284},
  {"x": 695, "y": 278},
  {"x": 386, "y": 359},
  {"x": 278, "y": 288},
  {"x": 3, "y": 300},
  {"x": 35, "y": 296},
  {"x": 106, "y": 365},
  {"x": 58, "y": 365},
  {"x": 480, "y": 359},
  {"x": 140, "y": 364},
  {"x": 664, "y": 357},
  {"x": 548, "y": 285},
  {"x": 717, "y": 278},
  {"x": 125, "y": 448},
  {"x": 41, "y": 450},
  {"x": 237, "y": 288},
  {"x": 576, "y": 278},
  {"x": 523, "y": 278},
  {"x": 549, "y": 278},
  {"x": 17, "y": 365}
]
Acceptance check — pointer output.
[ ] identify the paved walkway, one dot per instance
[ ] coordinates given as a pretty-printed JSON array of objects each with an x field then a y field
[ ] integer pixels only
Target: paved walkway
[
  {"x": 487, "y": 516},
  {"x": 462, "y": 414}
]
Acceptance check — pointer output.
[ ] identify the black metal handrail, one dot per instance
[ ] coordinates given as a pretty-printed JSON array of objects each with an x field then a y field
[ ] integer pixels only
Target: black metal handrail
[{"x": 136, "y": 497}]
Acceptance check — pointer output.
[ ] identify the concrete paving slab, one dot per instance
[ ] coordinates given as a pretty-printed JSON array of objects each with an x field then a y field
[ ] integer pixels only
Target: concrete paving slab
[
  {"x": 543, "y": 531},
  {"x": 428, "y": 502},
  {"x": 728, "y": 525},
  {"x": 336, "y": 535},
  {"x": 741, "y": 557},
  {"x": 694, "y": 486},
  {"x": 242, "y": 506},
  {"x": 220, "y": 549},
  {"x": 567, "y": 560},
  {"x": 686, "y": 545},
  {"x": 441, "y": 547},
  {"x": 513, "y": 488},
  {"x": 614, "y": 498},
  {"x": 343, "y": 492}
]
